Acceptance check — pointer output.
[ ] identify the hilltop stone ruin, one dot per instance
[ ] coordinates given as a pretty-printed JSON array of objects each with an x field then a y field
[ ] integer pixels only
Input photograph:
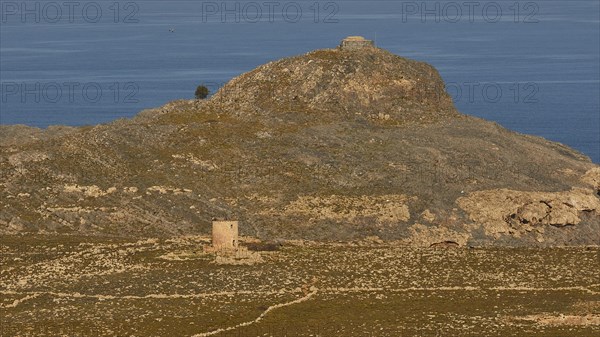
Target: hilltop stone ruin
[{"x": 356, "y": 43}]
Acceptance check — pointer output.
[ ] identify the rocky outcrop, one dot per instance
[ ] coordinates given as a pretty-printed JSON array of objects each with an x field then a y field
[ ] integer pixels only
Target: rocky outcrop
[
  {"x": 517, "y": 213},
  {"x": 437, "y": 236},
  {"x": 592, "y": 179},
  {"x": 503, "y": 209},
  {"x": 371, "y": 82}
]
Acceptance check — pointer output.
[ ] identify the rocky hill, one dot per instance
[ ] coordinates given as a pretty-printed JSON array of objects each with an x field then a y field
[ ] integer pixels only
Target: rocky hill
[
  {"x": 331, "y": 145},
  {"x": 369, "y": 82}
]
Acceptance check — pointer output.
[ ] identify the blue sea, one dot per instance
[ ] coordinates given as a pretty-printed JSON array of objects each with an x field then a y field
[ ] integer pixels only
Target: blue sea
[{"x": 532, "y": 66}]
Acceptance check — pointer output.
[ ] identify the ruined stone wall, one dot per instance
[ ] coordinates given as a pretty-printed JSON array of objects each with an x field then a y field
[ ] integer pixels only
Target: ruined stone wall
[{"x": 355, "y": 43}]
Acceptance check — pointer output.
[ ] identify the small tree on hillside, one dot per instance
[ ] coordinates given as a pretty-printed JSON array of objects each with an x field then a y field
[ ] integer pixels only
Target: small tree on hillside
[{"x": 201, "y": 92}]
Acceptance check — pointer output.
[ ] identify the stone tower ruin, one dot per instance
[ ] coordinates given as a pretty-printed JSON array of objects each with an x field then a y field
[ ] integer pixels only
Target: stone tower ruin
[
  {"x": 225, "y": 234},
  {"x": 355, "y": 43}
]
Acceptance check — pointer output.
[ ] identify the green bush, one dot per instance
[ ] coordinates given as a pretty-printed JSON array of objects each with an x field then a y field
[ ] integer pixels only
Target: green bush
[{"x": 201, "y": 92}]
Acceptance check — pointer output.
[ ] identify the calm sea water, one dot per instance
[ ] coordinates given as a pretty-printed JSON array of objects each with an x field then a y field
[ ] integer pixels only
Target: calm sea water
[{"x": 532, "y": 66}]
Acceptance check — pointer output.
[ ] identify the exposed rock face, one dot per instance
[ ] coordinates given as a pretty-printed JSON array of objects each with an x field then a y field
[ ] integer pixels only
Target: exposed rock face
[
  {"x": 592, "y": 178},
  {"x": 516, "y": 212},
  {"x": 331, "y": 145},
  {"x": 437, "y": 236}
]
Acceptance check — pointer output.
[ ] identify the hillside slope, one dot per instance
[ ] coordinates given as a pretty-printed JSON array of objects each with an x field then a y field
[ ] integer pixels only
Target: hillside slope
[{"x": 330, "y": 145}]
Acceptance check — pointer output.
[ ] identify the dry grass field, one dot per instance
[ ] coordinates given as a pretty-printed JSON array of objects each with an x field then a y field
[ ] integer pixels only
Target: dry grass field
[{"x": 84, "y": 286}]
